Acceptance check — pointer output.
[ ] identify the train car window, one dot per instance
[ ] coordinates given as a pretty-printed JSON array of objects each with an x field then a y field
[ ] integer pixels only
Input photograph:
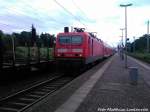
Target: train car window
[
  {"x": 64, "y": 40},
  {"x": 76, "y": 39}
]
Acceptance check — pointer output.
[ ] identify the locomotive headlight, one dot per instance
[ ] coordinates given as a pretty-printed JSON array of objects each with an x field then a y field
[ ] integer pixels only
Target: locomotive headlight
[
  {"x": 80, "y": 55},
  {"x": 61, "y": 50},
  {"x": 77, "y": 50}
]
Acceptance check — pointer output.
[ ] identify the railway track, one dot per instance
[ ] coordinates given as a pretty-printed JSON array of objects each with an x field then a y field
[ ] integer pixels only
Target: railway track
[{"x": 24, "y": 99}]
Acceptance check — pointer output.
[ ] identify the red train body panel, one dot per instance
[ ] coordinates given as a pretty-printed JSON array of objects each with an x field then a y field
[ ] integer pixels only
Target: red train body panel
[{"x": 83, "y": 47}]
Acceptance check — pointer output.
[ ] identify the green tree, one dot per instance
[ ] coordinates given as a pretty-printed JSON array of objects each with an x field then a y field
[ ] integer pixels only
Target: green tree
[
  {"x": 140, "y": 44},
  {"x": 33, "y": 35},
  {"x": 26, "y": 37},
  {"x": 47, "y": 39}
]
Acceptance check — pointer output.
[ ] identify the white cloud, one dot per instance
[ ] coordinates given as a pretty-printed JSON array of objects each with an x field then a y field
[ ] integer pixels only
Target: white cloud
[{"x": 102, "y": 16}]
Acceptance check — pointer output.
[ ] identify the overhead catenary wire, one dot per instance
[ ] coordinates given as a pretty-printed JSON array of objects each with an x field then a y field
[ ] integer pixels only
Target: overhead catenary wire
[
  {"x": 70, "y": 13},
  {"x": 49, "y": 17},
  {"x": 55, "y": 21},
  {"x": 79, "y": 9},
  {"x": 38, "y": 18}
]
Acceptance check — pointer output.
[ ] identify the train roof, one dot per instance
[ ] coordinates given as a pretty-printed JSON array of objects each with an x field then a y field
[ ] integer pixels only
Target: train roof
[
  {"x": 79, "y": 31},
  {"x": 72, "y": 33}
]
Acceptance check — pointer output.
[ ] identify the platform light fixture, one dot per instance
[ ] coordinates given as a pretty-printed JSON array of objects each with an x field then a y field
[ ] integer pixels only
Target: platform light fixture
[{"x": 125, "y": 6}]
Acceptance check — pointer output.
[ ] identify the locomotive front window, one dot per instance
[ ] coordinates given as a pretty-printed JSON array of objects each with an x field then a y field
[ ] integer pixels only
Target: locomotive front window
[
  {"x": 76, "y": 40},
  {"x": 64, "y": 39},
  {"x": 70, "y": 39}
]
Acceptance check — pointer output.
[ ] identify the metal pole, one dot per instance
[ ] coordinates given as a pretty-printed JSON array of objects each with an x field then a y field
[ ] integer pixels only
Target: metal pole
[
  {"x": 122, "y": 53},
  {"x": 148, "y": 36},
  {"x": 122, "y": 36},
  {"x": 39, "y": 54},
  {"x": 13, "y": 50},
  {"x": 125, "y": 37},
  {"x": 134, "y": 44},
  {"x": 1, "y": 53},
  {"x": 125, "y": 6},
  {"x": 38, "y": 51},
  {"x": 47, "y": 48},
  {"x": 29, "y": 55}
]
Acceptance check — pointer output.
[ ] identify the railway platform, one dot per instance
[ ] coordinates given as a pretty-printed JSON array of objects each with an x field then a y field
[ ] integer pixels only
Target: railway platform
[{"x": 104, "y": 88}]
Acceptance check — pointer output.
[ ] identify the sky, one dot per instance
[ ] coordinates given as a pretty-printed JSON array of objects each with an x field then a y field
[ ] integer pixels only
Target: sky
[{"x": 105, "y": 17}]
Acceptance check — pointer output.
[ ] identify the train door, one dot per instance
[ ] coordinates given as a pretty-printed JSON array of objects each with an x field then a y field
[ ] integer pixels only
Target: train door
[
  {"x": 89, "y": 46},
  {"x": 103, "y": 50},
  {"x": 92, "y": 47}
]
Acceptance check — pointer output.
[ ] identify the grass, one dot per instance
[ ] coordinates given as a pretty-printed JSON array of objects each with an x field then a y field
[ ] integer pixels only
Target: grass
[{"x": 142, "y": 56}]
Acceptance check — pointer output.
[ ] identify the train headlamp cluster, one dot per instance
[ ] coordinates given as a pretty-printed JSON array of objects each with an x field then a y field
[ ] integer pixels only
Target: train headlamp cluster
[
  {"x": 62, "y": 50},
  {"x": 76, "y": 55},
  {"x": 80, "y": 55},
  {"x": 58, "y": 54},
  {"x": 77, "y": 50}
]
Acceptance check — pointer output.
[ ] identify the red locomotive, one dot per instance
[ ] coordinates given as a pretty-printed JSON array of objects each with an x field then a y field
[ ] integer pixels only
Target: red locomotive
[{"x": 80, "y": 47}]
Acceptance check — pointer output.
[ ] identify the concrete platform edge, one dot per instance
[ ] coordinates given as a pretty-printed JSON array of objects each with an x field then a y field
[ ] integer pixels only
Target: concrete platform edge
[{"x": 76, "y": 99}]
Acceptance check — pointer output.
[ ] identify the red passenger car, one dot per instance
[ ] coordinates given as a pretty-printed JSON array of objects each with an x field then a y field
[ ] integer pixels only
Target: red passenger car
[
  {"x": 79, "y": 46},
  {"x": 108, "y": 51}
]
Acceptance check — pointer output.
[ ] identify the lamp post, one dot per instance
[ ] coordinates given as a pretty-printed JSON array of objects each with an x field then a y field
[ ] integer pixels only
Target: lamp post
[
  {"x": 148, "y": 36},
  {"x": 134, "y": 44},
  {"x": 125, "y": 6},
  {"x": 122, "y": 36},
  {"x": 122, "y": 43}
]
